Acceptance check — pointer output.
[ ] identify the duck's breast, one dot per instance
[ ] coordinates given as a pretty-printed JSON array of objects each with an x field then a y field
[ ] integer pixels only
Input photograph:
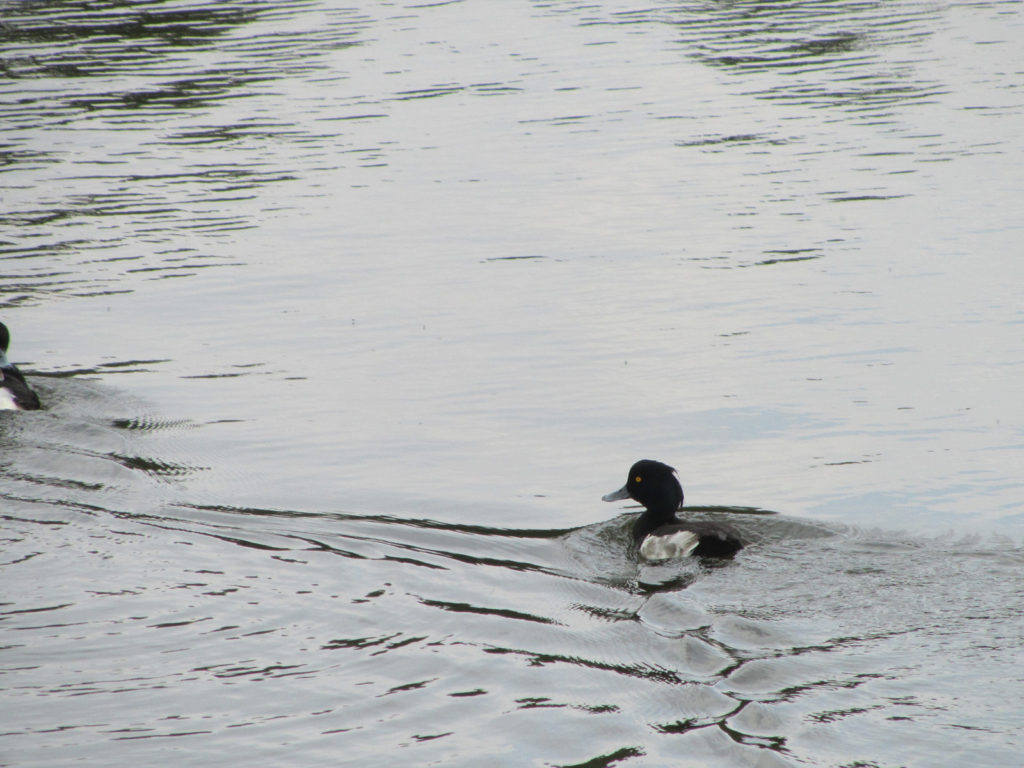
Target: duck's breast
[
  {"x": 7, "y": 401},
  {"x": 678, "y": 543}
]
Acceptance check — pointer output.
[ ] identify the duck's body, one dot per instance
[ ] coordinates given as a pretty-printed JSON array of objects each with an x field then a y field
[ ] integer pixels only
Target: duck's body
[
  {"x": 658, "y": 533},
  {"x": 15, "y": 393}
]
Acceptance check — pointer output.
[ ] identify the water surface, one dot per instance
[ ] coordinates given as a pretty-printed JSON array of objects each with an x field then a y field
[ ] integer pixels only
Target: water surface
[{"x": 345, "y": 318}]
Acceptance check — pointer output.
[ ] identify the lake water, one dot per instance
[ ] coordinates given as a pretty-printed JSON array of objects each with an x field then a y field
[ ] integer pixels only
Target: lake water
[{"x": 345, "y": 317}]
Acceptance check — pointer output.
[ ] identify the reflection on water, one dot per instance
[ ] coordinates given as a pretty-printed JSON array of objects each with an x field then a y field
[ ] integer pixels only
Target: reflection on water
[
  {"x": 819, "y": 55},
  {"x": 344, "y": 316},
  {"x": 174, "y": 135}
]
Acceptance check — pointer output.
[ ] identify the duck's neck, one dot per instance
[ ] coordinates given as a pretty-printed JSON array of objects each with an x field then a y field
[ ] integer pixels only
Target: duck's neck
[{"x": 651, "y": 519}]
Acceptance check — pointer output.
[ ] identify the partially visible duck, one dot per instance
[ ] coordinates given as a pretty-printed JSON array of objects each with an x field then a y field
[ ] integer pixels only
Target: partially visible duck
[
  {"x": 658, "y": 532},
  {"x": 15, "y": 394}
]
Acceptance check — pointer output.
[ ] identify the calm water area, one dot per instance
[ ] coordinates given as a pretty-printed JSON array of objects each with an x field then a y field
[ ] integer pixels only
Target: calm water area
[{"x": 345, "y": 315}]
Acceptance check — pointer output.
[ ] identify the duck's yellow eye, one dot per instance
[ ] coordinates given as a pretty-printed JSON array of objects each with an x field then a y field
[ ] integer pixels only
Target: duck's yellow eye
[{"x": 638, "y": 479}]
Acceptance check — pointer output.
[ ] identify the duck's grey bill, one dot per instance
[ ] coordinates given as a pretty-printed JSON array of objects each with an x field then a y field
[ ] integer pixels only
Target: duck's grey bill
[{"x": 618, "y": 495}]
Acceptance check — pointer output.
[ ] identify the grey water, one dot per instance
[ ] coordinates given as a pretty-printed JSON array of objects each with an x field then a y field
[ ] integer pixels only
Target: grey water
[{"x": 344, "y": 317}]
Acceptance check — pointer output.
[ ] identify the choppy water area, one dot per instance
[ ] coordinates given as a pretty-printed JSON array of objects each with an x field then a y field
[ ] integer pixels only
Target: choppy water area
[{"x": 346, "y": 316}]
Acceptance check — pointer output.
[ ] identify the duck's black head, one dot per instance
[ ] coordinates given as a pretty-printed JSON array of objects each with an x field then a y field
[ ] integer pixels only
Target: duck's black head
[
  {"x": 5, "y": 338},
  {"x": 654, "y": 485}
]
